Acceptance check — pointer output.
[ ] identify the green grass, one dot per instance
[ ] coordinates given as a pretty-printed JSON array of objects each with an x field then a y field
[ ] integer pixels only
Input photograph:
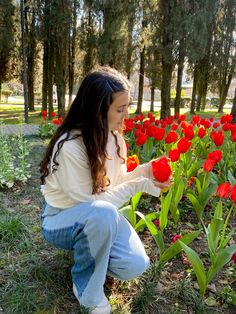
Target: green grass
[{"x": 14, "y": 114}]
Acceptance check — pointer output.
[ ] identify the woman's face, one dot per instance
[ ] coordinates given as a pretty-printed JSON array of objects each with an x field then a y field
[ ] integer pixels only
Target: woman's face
[{"x": 118, "y": 110}]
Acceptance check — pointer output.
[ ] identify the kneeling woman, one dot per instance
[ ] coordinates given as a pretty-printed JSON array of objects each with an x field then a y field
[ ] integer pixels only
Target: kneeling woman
[{"x": 84, "y": 182}]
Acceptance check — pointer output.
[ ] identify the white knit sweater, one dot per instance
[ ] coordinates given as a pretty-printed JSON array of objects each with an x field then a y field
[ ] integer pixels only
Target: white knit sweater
[{"x": 71, "y": 183}]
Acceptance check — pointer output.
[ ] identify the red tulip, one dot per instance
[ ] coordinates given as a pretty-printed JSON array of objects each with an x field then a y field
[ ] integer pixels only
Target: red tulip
[
  {"x": 217, "y": 137},
  {"x": 216, "y": 125},
  {"x": 174, "y": 154},
  {"x": 132, "y": 162},
  {"x": 233, "y": 258},
  {"x": 159, "y": 134},
  {"x": 195, "y": 119},
  {"x": 216, "y": 155},
  {"x": 156, "y": 222},
  {"x": 183, "y": 145},
  {"x": 141, "y": 139},
  {"x": 174, "y": 126},
  {"x": 233, "y": 194},
  {"x": 171, "y": 137},
  {"x": 44, "y": 113},
  {"x": 223, "y": 190},
  {"x": 56, "y": 121},
  {"x": 161, "y": 169},
  {"x": 189, "y": 133},
  {"x": 201, "y": 132},
  {"x": 176, "y": 237},
  {"x": 208, "y": 165}
]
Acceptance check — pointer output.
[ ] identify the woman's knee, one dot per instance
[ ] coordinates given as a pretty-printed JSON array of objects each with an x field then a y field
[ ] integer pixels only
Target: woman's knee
[
  {"x": 104, "y": 217},
  {"x": 134, "y": 267}
]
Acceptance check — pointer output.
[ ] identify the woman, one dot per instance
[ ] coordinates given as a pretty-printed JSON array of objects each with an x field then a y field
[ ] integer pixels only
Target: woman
[{"x": 84, "y": 182}]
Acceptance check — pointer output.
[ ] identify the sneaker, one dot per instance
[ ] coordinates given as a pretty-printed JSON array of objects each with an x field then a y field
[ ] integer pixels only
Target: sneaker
[{"x": 102, "y": 308}]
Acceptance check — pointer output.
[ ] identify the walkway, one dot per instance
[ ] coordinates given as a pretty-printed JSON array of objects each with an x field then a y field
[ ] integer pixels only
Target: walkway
[{"x": 26, "y": 129}]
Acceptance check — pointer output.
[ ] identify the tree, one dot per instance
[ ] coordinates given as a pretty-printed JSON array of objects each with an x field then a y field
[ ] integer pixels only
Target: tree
[
  {"x": 61, "y": 42},
  {"x": 6, "y": 39},
  {"x": 224, "y": 52},
  {"x": 233, "y": 110},
  {"x": 199, "y": 48},
  {"x": 88, "y": 35},
  {"x": 72, "y": 44},
  {"x": 24, "y": 71},
  {"x": 167, "y": 8},
  {"x": 31, "y": 42},
  {"x": 47, "y": 24}
]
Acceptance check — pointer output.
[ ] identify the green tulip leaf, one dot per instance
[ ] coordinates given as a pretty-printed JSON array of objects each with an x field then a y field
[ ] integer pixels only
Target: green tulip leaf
[
  {"x": 197, "y": 265},
  {"x": 222, "y": 258},
  {"x": 175, "y": 248}
]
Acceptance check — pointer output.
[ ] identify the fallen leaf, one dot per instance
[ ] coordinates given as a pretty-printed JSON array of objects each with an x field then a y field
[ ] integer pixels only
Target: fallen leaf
[
  {"x": 25, "y": 202},
  {"x": 211, "y": 301},
  {"x": 212, "y": 288}
]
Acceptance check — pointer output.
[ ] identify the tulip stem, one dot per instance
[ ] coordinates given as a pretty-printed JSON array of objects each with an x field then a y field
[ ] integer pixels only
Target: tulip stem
[{"x": 225, "y": 226}]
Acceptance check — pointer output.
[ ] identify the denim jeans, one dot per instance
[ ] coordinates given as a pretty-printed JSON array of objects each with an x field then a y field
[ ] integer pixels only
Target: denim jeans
[{"x": 103, "y": 242}]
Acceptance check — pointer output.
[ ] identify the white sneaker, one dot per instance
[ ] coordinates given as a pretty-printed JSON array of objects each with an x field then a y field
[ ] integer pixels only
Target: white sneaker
[{"x": 102, "y": 308}]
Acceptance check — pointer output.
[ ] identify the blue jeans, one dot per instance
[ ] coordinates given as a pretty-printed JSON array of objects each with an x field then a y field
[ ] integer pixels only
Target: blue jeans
[{"x": 103, "y": 242}]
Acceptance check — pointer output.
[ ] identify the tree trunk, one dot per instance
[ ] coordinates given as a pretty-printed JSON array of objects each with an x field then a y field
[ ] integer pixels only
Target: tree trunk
[
  {"x": 179, "y": 78},
  {"x": 165, "y": 89},
  {"x": 194, "y": 90},
  {"x": 88, "y": 58},
  {"x": 50, "y": 79},
  {"x": 199, "y": 94},
  {"x": 152, "y": 99},
  {"x": 233, "y": 110},
  {"x": 31, "y": 51},
  {"x": 61, "y": 52},
  {"x": 223, "y": 91},
  {"x": 45, "y": 76},
  {"x": 128, "y": 65},
  {"x": 141, "y": 81},
  {"x": 24, "y": 71},
  {"x": 72, "y": 53}
]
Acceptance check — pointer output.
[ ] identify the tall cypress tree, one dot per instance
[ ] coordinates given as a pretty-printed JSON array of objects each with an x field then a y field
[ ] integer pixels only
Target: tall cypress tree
[
  {"x": 224, "y": 56},
  {"x": 6, "y": 38}
]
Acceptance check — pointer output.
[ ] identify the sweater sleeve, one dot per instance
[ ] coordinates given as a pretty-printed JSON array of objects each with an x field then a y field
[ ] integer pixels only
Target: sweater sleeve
[{"x": 75, "y": 179}]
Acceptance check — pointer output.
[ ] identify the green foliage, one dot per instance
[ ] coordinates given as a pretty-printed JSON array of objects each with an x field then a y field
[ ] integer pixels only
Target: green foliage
[
  {"x": 46, "y": 129},
  {"x": 14, "y": 164},
  {"x": 228, "y": 295}
]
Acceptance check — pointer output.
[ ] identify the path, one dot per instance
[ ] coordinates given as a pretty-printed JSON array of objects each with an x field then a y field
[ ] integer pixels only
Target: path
[{"x": 26, "y": 129}]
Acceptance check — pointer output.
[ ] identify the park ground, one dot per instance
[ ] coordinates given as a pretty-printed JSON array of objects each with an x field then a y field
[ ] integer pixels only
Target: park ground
[{"x": 35, "y": 277}]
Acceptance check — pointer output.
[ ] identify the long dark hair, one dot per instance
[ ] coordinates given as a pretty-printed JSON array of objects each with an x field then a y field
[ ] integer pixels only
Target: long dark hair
[{"x": 88, "y": 113}]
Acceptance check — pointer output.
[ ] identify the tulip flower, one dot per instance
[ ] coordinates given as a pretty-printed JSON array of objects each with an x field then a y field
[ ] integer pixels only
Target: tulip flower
[
  {"x": 233, "y": 258},
  {"x": 215, "y": 155},
  {"x": 208, "y": 165},
  {"x": 132, "y": 162},
  {"x": 174, "y": 154},
  {"x": 161, "y": 169},
  {"x": 223, "y": 190},
  {"x": 176, "y": 237},
  {"x": 184, "y": 145}
]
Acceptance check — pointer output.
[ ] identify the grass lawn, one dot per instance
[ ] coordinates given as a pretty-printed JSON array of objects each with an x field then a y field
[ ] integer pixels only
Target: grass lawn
[
  {"x": 35, "y": 277},
  {"x": 14, "y": 113}
]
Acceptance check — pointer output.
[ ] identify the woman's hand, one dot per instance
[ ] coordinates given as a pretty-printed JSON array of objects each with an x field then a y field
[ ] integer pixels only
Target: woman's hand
[{"x": 163, "y": 185}]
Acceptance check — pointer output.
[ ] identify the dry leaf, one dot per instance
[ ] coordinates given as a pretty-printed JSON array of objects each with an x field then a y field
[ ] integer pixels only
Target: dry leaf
[{"x": 25, "y": 202}]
